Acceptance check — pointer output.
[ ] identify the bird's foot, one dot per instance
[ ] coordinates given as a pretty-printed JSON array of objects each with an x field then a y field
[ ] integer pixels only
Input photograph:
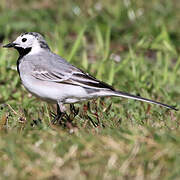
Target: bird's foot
[
  {"x": 56, "y": 117},
  {"x": 64, "y": 119},
  {"x": 74, "y": 111}
]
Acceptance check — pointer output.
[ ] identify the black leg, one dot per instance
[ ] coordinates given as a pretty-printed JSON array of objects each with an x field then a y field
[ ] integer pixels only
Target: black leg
[
  {"x": 62, "y": 117},
  {"x": 58, "y": 110},
  {"x": 74, "y": 110},
  {"x": 58, "y": 116}
]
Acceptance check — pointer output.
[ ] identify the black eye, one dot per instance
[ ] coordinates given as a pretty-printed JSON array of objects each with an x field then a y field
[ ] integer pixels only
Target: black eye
[{"x": 24, "y": 39}]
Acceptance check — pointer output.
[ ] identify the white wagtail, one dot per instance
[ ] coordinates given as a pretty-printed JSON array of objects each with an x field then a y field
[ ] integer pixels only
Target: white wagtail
[{"x": 52, "y": 78}]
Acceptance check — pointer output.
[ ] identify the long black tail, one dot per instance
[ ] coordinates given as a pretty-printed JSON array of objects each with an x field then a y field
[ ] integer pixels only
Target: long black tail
[{"x": 139, "y": 98}]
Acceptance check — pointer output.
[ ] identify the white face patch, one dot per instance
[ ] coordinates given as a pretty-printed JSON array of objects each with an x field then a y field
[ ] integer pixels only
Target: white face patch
[
  {"x": 25, "y": 41},
  {"x": 35, "y": 49},
  {"x": 31, "y": 40}
]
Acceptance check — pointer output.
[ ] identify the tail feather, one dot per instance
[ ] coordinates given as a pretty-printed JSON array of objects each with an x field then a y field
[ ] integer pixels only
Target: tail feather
[{"x": 139, "y": 98}]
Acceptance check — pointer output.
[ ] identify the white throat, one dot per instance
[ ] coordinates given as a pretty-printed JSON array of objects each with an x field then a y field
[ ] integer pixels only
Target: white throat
[{"x": 35, "y": 50}]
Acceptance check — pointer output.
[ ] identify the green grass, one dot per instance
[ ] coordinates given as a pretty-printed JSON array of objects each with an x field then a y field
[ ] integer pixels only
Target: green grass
[{"x": 134, "y": 47}]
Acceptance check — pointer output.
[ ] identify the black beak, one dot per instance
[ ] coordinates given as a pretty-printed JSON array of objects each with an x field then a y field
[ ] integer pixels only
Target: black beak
[{"x": 10, "y": 45}]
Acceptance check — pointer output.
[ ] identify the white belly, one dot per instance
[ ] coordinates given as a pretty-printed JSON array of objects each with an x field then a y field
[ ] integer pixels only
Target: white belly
[{"x": 53, "y": 92}]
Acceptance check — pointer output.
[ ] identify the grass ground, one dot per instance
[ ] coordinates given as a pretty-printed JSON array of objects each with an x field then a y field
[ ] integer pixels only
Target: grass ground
[{"x": 132, "y": 45}]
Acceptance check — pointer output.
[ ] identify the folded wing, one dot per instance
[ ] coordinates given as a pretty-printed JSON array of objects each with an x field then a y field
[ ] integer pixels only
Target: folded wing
[{"x": 73, "y": 76}]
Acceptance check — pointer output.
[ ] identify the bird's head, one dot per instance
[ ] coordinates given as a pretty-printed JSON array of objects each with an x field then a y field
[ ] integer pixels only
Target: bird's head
[{"x": 30, "y": 42}]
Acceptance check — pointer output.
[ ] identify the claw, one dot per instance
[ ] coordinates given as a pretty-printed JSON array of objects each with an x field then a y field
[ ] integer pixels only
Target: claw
[{"x": 74, "y": 110}]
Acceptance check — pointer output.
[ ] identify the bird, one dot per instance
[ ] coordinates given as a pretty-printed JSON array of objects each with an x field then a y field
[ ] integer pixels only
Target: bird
[{"x": 53, "y": 79}]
